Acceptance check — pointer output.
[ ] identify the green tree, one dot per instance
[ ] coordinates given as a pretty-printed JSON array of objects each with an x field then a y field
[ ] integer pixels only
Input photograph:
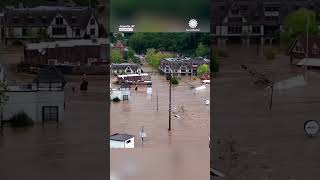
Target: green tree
[
  {"x": 203, "y": 69},
  {"x": 119, "y": 36},
  {"x": 295, "y": 25},
  {"x": 174, "y": 80},
  {"x": 137, "y": 42},
  {"x": 116, "y": 56},
  {"x": 130, "y": 54},
  {"x": 202, "y": 50},
  {"x": 154, "y": 58}
]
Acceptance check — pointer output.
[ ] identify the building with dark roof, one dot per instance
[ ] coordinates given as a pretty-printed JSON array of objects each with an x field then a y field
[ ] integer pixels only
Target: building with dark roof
[
  {"x": 303, "y": 48},
  {"x": 57, "y": 22},
  {"x": 127, "y": 68},
  {"x": 121, "y": 141},
  {"x": 69, "y": 52},
  {"x": 177, "y": 66},
  {"x": 247, "y": 21}
]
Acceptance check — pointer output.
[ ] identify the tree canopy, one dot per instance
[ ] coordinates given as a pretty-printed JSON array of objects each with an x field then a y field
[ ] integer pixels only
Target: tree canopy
[
  {"x": 116, "y": 56},
  {"x": 185, "y": 43},
  {"x": 202, "y": 50},
  {"x": 296, "y": 24},
  {"x": 153, "y": 57},
  {"x": 203, "y": 69}
]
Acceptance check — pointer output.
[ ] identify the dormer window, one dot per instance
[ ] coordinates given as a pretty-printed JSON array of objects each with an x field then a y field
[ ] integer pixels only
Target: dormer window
[
  {"x": 73, "y": 20},
  {"x": 59, "y": 21},
  {"x": 235, "y": 11},
  {"x": 92, "y": 21}
]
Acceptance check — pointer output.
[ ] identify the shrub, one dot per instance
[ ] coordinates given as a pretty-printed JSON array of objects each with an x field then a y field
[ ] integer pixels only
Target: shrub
[
  {"x": 21, "y": 119},
  {"x": 174, "y": 80},
  {"x": 270, "y": 54},
  {"x": 116, "y": 99}
]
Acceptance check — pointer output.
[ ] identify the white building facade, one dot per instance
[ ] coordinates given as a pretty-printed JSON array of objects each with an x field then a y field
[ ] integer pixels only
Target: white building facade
[
  {"x": 43, "y": 100},
  {"x": 121, "y": 141},
  {"x": 39, "y": 105}
]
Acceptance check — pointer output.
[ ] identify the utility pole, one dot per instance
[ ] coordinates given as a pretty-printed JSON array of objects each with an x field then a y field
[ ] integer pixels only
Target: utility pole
[
  {"x": 307, "y": 51},
  {"x": 157, "y": 101},
  {"x": 271, "y": 98},
  {"x": 170, "y": 102},
  {"x": 142, "y": 136}
]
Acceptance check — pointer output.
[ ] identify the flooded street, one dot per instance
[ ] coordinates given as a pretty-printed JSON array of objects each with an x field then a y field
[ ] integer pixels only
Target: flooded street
[
  {"x": 172, "y": 155},
  {"x": 75, "y": 150},
  {"x": 159, "y": 164},
  {"x": 251, "y": 142},
  {"x": 190, "y": 130}
]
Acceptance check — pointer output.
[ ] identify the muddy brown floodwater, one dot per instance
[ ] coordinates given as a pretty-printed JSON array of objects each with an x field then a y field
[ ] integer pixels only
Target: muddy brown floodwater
[
  {"x": 75, "y": 150},
  {"x": 190, "y": 130},
  {"x": 182, "y": 153},
  {"x": 251, "y": 142}
]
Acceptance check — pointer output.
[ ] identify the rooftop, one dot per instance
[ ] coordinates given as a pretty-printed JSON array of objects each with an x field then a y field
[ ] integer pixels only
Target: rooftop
[
  {"x": 120, "y": 137},
  {"x": 69, "y": 43}
]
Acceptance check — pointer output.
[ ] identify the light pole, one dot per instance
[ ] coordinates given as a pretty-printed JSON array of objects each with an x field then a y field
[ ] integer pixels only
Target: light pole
[
  {"x": 170, "y": 81},
  {"x": 307, "y": 51}
]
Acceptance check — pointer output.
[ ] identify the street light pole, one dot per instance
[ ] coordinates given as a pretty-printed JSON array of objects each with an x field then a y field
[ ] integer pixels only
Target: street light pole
[
  {"x": 307, "y": 51},
  {"x": 170, "y": 101},
  {"x": 157, "y": 101}
]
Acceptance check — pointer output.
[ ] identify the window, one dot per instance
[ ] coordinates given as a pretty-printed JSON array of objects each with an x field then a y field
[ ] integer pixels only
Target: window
[
  {"x": 92, "y": 21},
  {"x": 50, "y": 113},
  {"x": 125, "y": 97},
  {"x": 235, "y": 11},
  {"x": 235, "y": 19},
  {"x": 59, "y": 31},
  {"x": 73, "y": 20},
  {"x": 24, "y": 32},
  {"x": 30, "y": 19},
  {"x": 256, "y": 29},
  {"x": 92, "y": 32},
  {"x": 15, "y": 20},
  {"x": 59, "y": 20},
  {"x": 315, "y": 51},
  {"x": 78, "y": 32},
  {"x": 244, "y": 8},
  {"x": 44, "y": 20},
  {"x": 235, "y": 30}
]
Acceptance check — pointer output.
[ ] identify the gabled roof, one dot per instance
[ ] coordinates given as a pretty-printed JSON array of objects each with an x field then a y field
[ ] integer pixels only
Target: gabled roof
[
  {"x": 42, "y": 16},
  {"x": 313, "y": 40},
  {"x": 255, "y": 9},
  {"x": 119, "y": 45},
  {"x": 123, "y": 66},
  {"x": 120, "y": 137}
]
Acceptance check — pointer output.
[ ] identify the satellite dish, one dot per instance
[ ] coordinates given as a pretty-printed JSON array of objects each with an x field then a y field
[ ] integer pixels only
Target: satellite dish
[{"x": 311, "y": 127}]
